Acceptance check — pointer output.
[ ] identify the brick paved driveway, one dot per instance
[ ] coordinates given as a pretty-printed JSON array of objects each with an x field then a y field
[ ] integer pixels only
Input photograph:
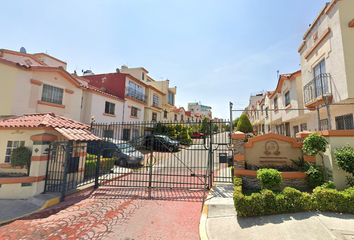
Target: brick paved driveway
[{"x": 115, "y": 213}]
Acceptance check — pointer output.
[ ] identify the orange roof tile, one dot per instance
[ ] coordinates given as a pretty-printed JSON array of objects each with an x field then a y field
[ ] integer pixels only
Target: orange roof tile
[{"x": 71, "y": 129}]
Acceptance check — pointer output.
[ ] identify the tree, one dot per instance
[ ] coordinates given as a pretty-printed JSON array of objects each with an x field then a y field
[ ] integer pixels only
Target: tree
[
  {"x": 205, "y": 125},
  {"x": 171, "y": 131},
  {"x": 21, "y": 157},
  {"x": 244, "y": 124},
  {"x": 215, "y": 127},
  {"x": 313, "y": 144},
  {"x": 344, "y": 157},
  {"x": 234, "y": 122}
]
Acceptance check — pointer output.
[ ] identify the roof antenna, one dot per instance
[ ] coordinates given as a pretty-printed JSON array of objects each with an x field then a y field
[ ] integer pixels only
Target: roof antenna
[{"x": 277, "y": 74}]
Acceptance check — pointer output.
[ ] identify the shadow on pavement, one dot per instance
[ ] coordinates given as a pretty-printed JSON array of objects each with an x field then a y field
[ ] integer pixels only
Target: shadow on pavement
[{"x": 182, "y": 195}]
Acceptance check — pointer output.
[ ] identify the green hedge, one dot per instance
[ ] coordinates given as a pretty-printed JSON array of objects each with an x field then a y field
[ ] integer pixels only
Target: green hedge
[
  {"x": 106, "y": 164},
  {"x": 291, "y": 200}
]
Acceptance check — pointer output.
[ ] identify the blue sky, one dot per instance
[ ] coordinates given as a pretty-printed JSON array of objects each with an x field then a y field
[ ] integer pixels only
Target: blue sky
[{"x": 213, "y": 51}]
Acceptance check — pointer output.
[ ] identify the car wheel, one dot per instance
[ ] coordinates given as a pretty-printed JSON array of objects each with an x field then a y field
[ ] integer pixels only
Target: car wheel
[
  {"x": 123, "y": 162},
  {"x": 170, "y": 149}
]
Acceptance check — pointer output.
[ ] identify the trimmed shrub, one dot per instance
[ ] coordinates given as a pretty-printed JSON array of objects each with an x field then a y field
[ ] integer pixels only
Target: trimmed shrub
[
  {"x": 20, "y": 157},
  {"x": 244, "y": 124},
  {"x": 269, "y": 178},
  {"x": 106, "y": 164},
  {"x": 314, "y": 143}
]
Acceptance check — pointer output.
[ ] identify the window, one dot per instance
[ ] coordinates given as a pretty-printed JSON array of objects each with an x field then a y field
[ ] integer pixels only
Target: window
[
  {"x": 275, "y": 102},
  {"x": 136, "y": 91},
  {"x": 266, "y": 110},
  {"x": 126, "y": 134},
  {"x": 148, "y": 80},
  {"x": 287, "y": 129},
  {"x": 295, "y": 130},
  {"x": 170, "y": 98},
  {"x": 165, "y": 114},
  {"x": 344, "y": 122},
  {"x": 181, "y": 117},
  {"x": 155, "y": 100},
  {"x": 134, "y": 112},
  {"x": 108, "y": 133},
  {"x": 135, "y": 133},
  {"x": 142, "y": 75},
  {"x": 109, "y": 108},
  {"x": 324, "y": 124},
  {"x": 303, "y": 127},
  {"x": 10, "y": 146},
  {"x": 262, "y": 128},
  {"x": 321, "y": 78},
  {"x": 175, "y": 117},
  {"x": 287, "y": 98},
  {"x": 154, "y": 116},
  {"x": 52, "y": 94},
  {"x": 262, "y": 108}
]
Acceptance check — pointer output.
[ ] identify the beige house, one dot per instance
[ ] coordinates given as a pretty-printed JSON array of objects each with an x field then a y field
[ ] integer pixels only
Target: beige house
[
  {"x": 327, "y": 63},
  {"x": 201, "y": 109},
  {"x": 30, "y": 85}
]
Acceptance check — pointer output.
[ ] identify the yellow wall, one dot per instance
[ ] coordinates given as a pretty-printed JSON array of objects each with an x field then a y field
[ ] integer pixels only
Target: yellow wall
[{"x": 8, "y": 82}]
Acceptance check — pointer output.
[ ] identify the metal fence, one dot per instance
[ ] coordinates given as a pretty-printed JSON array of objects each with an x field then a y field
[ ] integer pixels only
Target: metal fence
[
  {"x": 189, "y": 155},
  {"x": 288, "y": 122}
]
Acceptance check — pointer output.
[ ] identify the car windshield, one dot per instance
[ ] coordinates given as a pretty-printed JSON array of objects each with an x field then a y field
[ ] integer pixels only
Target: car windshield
[
  {"x": 167, "y": 139},
  {"x": 125, "y": 147}
]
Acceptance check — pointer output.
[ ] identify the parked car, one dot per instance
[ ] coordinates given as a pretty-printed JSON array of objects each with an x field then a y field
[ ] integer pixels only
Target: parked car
[
  {"x": 162, "y": 143},
  {"x": 197, "y": 134},
  {"x": 120, "y": 150}
]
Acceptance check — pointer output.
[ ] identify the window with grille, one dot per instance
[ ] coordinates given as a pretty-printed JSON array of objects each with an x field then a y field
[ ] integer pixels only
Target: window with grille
[
  {"x": 154, "y": 116},
  {"x": 109, "y": 108},
  {"x": 155, "y": 100},
  {"x": 287, "y": 98},
  {"x": 344, "y": 122},
  {"x": 303, "y": 127},
  {"x": 11, "y": 145},
  {"x": 52, "y": 94},
  {"x": 134, "y": 112}
]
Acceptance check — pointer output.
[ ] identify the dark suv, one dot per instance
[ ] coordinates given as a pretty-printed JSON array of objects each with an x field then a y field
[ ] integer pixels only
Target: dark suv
[{"x": 162, "y": 143}]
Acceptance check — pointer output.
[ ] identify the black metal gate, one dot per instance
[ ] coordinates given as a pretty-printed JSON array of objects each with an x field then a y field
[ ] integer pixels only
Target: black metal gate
[{"x": 154, "y": 155}]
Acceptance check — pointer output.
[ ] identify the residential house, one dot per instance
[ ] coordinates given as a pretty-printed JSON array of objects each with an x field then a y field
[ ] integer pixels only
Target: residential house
[
  {"x": 200, "y": 109},
  {"x": 327, "y": 60},
  {"x": 30, "y": 85},
  {"x": 159, "y": 90}
]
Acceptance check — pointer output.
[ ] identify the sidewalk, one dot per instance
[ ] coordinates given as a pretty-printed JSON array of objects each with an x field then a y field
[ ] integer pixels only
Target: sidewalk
[{"x": 221, "y": 222}]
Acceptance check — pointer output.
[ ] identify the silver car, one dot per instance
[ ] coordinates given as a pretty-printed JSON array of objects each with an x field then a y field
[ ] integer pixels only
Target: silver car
[{"x": 124, "y": 154}]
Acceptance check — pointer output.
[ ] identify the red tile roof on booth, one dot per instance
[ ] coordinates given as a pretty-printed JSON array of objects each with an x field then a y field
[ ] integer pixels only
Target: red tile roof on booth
[{"x": 71, "y": 129}]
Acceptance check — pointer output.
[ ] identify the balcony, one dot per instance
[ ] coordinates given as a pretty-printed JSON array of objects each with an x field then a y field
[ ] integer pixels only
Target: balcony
[
  {"x": 131, "y": 92},
  {"x": 318, "y": 89}
]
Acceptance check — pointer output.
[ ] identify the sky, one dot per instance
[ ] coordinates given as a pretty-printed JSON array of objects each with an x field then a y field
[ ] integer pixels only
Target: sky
[{"x": 215, "y": 52}]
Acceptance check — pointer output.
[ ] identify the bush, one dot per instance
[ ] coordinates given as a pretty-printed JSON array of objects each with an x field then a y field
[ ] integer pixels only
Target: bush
[
  {"x": 292, "y": 200},
  {"x": 314, "y": 143},
  {"x": 244, "y": 124},
  {"x": 328, "y": 184},
  {"x": 269, "y": 178},
  {"x": 106, "y": 164},
  {"x": 21, "y": 157},
  {"x": 344, "y": 157}
]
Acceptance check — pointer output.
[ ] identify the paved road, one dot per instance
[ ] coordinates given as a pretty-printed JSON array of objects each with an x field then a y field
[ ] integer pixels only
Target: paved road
[{"x": 115, "y": 213}]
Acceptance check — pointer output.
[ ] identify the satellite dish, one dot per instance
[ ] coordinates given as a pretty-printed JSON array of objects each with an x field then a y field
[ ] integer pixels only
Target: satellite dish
[{"x": 23, "y": 50}]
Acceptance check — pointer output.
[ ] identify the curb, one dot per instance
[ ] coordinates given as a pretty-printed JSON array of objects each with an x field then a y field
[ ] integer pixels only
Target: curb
[
  {"x": 202, "y": 224},
  {"x": 47, "y": 204}
]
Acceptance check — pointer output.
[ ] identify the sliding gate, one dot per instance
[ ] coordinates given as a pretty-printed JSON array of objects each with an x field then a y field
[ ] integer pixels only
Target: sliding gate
[{"x": 168, "y": 157}]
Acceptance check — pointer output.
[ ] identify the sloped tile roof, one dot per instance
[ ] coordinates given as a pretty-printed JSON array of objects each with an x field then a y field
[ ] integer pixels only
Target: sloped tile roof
[{"x": 71, "y": 129}]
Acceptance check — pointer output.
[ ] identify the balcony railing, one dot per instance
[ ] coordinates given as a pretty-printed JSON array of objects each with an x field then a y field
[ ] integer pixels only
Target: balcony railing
[
  {"x": 317, "y": 87},
  {"x": 131, "y": 92}
]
